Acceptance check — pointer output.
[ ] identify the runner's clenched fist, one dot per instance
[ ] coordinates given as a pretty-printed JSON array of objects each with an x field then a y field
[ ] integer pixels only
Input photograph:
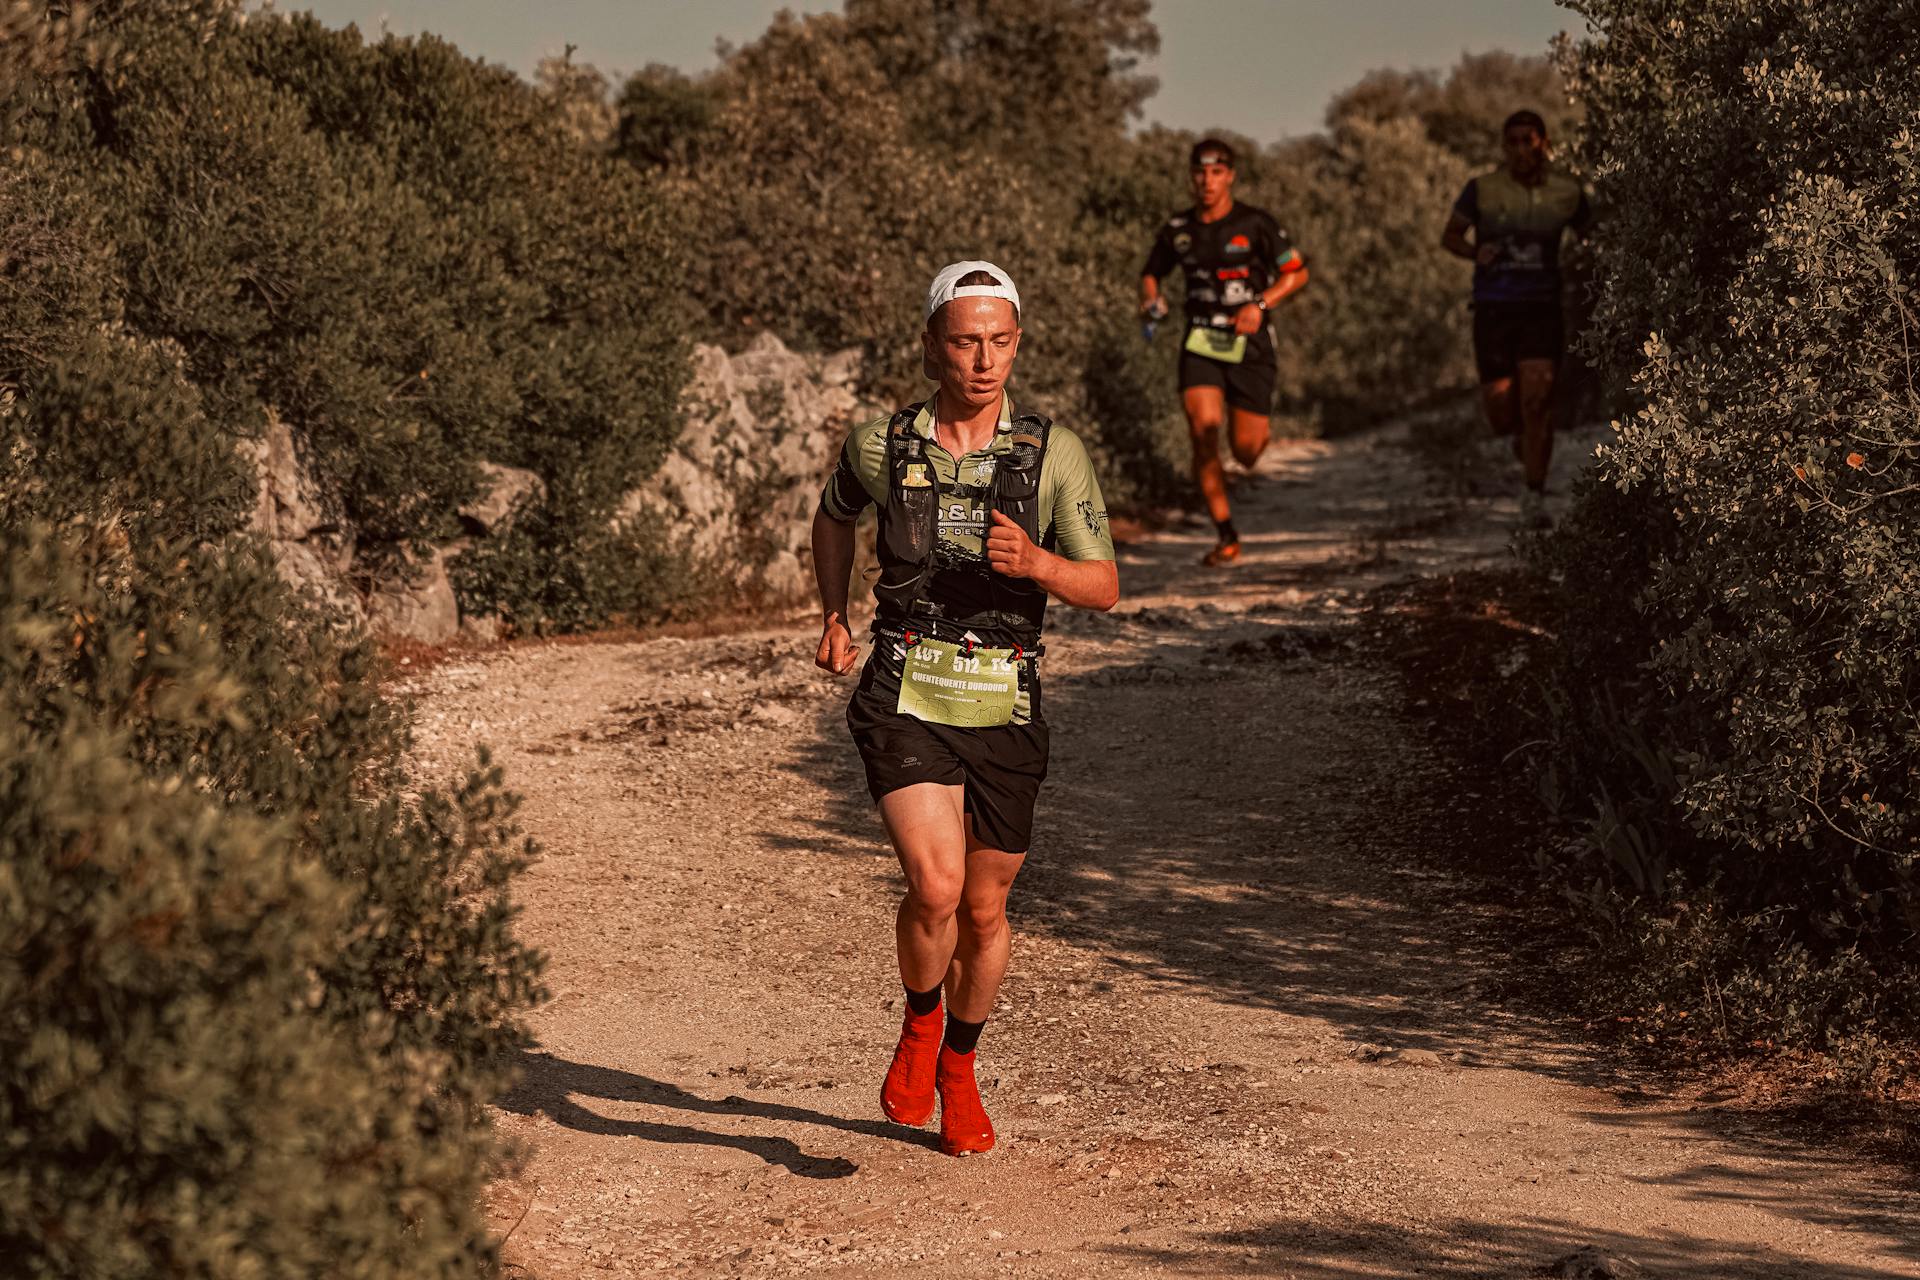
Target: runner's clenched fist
[{"x": 1009, "y": 550}]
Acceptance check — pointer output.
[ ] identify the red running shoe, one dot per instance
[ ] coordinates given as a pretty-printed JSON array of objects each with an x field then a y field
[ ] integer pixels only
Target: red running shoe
[
  {"x": 964, "y": 1127},
  {"x": 907, "y": 1093}
]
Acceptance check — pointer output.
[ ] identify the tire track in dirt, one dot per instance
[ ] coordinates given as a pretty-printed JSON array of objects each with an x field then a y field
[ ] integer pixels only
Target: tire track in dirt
[{"x": 1248, "y": 1029}]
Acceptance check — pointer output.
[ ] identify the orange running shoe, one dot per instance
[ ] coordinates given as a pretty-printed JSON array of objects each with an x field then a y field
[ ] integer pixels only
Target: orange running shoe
[
  {"x": 964, "y": 1127},
  {"x": 907, "y": 1094},
  {"x": 1224, "y": 554}
]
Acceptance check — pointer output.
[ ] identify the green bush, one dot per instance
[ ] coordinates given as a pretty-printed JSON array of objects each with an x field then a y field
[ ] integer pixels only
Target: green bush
[
  {"x": 256, "y": 985},
  {"x": 829, "y": 254},
  {"x": 507, "y": 294},
  {"x": 251, "y": 1006},
  {"x": 1742, "y": 576},
  {"x": 1382, "y": 328}
]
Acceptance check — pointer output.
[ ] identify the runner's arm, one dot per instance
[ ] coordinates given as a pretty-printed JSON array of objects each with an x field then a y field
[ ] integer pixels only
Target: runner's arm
[
  {"x": 1455, "y": 239},
  {"x": 846, "y": 495},
  {"x": 1292, "y": 279},
  {"x": 832, "y": 561},
  {"x": 1582, "y": 222},
  {"x": 832, "y": 568},
  {"x": 1459, "y": 222},
  {"x": 1160, "y": 260},
  {"x": 1083, "y": 574},
  {"x": 1084, "y": 584},
  {"x": 1289, "y": 271},
  {"x": 1149, "y": 293}
]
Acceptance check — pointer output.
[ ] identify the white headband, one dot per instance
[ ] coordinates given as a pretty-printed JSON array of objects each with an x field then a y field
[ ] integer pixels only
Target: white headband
[{"x": 945, "y": 287}]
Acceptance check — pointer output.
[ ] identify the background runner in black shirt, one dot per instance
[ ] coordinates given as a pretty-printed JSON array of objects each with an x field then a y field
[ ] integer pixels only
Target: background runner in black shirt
[{"x": 1238, "y": 264}]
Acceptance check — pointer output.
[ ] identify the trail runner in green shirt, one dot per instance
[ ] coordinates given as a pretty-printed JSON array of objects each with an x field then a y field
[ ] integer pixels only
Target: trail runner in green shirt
[
  {"x": 982, "y": 516},
  {"x": 1509, "y": 223}
]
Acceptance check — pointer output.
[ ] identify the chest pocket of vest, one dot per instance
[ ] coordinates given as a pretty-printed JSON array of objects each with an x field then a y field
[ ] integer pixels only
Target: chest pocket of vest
[
  {"x": 912, "y": 527},
  {"x": 1016, "y": 479}
]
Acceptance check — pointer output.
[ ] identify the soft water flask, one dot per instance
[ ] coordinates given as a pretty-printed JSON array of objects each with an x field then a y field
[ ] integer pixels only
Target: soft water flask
[{"x": 1155, "y": 311}]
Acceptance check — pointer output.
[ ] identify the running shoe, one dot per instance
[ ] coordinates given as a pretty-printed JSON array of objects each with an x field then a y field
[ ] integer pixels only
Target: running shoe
[
  {"x": 1224, "y": 554},
  {"x": 964, "y": 1127},
  {"x": 907, "y": 1093}
]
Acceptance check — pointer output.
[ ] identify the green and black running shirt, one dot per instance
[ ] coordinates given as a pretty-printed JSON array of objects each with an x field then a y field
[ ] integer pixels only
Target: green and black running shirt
[
  {"x": 1527, "y": 223},
  {"x": 1227, "y": 264},
  {"x": 1073, "y": 514}
]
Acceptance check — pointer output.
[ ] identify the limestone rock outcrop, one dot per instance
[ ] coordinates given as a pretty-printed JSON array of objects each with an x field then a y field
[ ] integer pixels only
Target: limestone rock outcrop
[
  {"x": 737, "y": 492},
  {"x": 312, "y": 550},
  {"x": 761, "y": 431},
  {"x": 502, "y": 489}
]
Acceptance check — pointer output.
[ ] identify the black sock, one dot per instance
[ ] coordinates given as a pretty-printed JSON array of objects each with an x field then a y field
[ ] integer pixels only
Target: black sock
[
  {"x": 962, "y": 1037},
  {"x": 1226, "y": 530},
  {"x": 922, "y": 1003}
]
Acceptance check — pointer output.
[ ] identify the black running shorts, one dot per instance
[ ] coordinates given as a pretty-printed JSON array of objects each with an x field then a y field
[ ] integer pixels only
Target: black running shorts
[
  {"x": 1248, "y": 385},
  {"x": 1001, "y": 768},
  {"x": 1505, "y": 333}
]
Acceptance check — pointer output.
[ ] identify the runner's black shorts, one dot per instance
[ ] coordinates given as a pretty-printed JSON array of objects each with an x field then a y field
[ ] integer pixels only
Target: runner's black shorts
[
  {"x": 1001, "y": 768},
  {"x": 1248, "y": 385},
  {"x": 1505, "y": 333}
]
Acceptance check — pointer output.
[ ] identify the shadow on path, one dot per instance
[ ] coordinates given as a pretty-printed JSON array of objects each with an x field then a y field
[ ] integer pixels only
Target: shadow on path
[
  {"x": 1469, "y": 1249},
  {"x": 549, "y": 1086}
]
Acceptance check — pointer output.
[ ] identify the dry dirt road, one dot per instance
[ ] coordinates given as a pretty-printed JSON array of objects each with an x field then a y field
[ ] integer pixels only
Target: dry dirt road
[{"x": 1250, "y": 1028}]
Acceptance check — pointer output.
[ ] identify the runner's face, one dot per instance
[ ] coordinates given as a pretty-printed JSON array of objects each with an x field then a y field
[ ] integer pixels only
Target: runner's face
[
  {"x": 1526, "y": 150},
  {"x": 970, "y": 349},
  {"x": 1212, "y": 184}
]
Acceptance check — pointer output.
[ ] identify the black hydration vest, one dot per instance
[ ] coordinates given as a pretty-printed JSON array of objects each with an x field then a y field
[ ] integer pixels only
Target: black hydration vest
[{"x": 921, "y": 584}]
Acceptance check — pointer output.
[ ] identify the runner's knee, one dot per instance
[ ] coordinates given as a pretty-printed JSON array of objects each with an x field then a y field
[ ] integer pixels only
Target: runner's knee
[
  {"x": 1536, "y": 392},
  {"x": 1498, "y": 400},
  {"x": 1249, "y": 445},
  {"x": 983, "y": 915},
  {"x": 1206, "y": 437},
  {"x": 933, "y": 900}
]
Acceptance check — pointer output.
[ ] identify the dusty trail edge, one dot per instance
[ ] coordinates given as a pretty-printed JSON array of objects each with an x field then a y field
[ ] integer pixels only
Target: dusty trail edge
[{"x": 1250, "y": 1028}]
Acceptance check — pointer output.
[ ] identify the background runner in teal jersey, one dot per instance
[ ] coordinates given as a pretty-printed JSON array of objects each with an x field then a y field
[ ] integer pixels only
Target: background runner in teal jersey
[{"x": 1510, "y": 224}]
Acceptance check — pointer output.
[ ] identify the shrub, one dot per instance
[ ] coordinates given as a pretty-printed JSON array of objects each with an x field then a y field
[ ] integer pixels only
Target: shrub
[
  {"x": 829, "y": 254},
  {"x": 506, "y": 294},
  {"x": 1743, "y": 574},
  {"x": 253, "y": 998},
  {"x": 250, "y": 1005},
  {"x": 1382, "y": 328}
]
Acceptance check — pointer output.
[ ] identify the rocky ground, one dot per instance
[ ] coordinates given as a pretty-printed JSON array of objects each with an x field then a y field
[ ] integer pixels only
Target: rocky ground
[{"x": 1253, "y": 1026}]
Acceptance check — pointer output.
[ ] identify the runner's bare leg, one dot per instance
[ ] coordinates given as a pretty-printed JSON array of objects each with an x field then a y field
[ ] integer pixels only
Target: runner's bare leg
[
  {"x": 1536, "y": 416},
  {"x": 1252, "y": 432},
  {"x": 927, "y": 825},
  {"x": 1503, "y": 411},
  {"x": 1206, "y": 414},
  {"x": 985, "y": 941}
]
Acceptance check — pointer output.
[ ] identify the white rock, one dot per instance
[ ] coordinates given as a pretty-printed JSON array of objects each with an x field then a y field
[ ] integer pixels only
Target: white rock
[
  {"x": 419, "y": 606},
  {"x": 761, "y": 431},
  {"x": 501, "y": 490}
]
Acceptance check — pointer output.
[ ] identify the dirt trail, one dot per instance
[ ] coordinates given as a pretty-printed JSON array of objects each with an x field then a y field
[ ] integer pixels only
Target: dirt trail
[{"x": 1248, "y": 1029}]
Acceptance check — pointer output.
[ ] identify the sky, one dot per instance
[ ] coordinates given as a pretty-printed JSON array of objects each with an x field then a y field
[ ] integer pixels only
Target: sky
[{"x": 1264, "y": 68}]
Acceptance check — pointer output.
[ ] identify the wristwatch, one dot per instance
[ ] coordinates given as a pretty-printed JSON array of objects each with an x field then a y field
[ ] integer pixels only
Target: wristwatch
[{"x": 1260, "y": 301}]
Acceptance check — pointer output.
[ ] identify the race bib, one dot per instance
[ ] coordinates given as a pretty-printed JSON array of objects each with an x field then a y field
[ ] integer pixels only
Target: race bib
[
  {"x": 944, "y": 684},
  {"x": 1217, "y": 344}
]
